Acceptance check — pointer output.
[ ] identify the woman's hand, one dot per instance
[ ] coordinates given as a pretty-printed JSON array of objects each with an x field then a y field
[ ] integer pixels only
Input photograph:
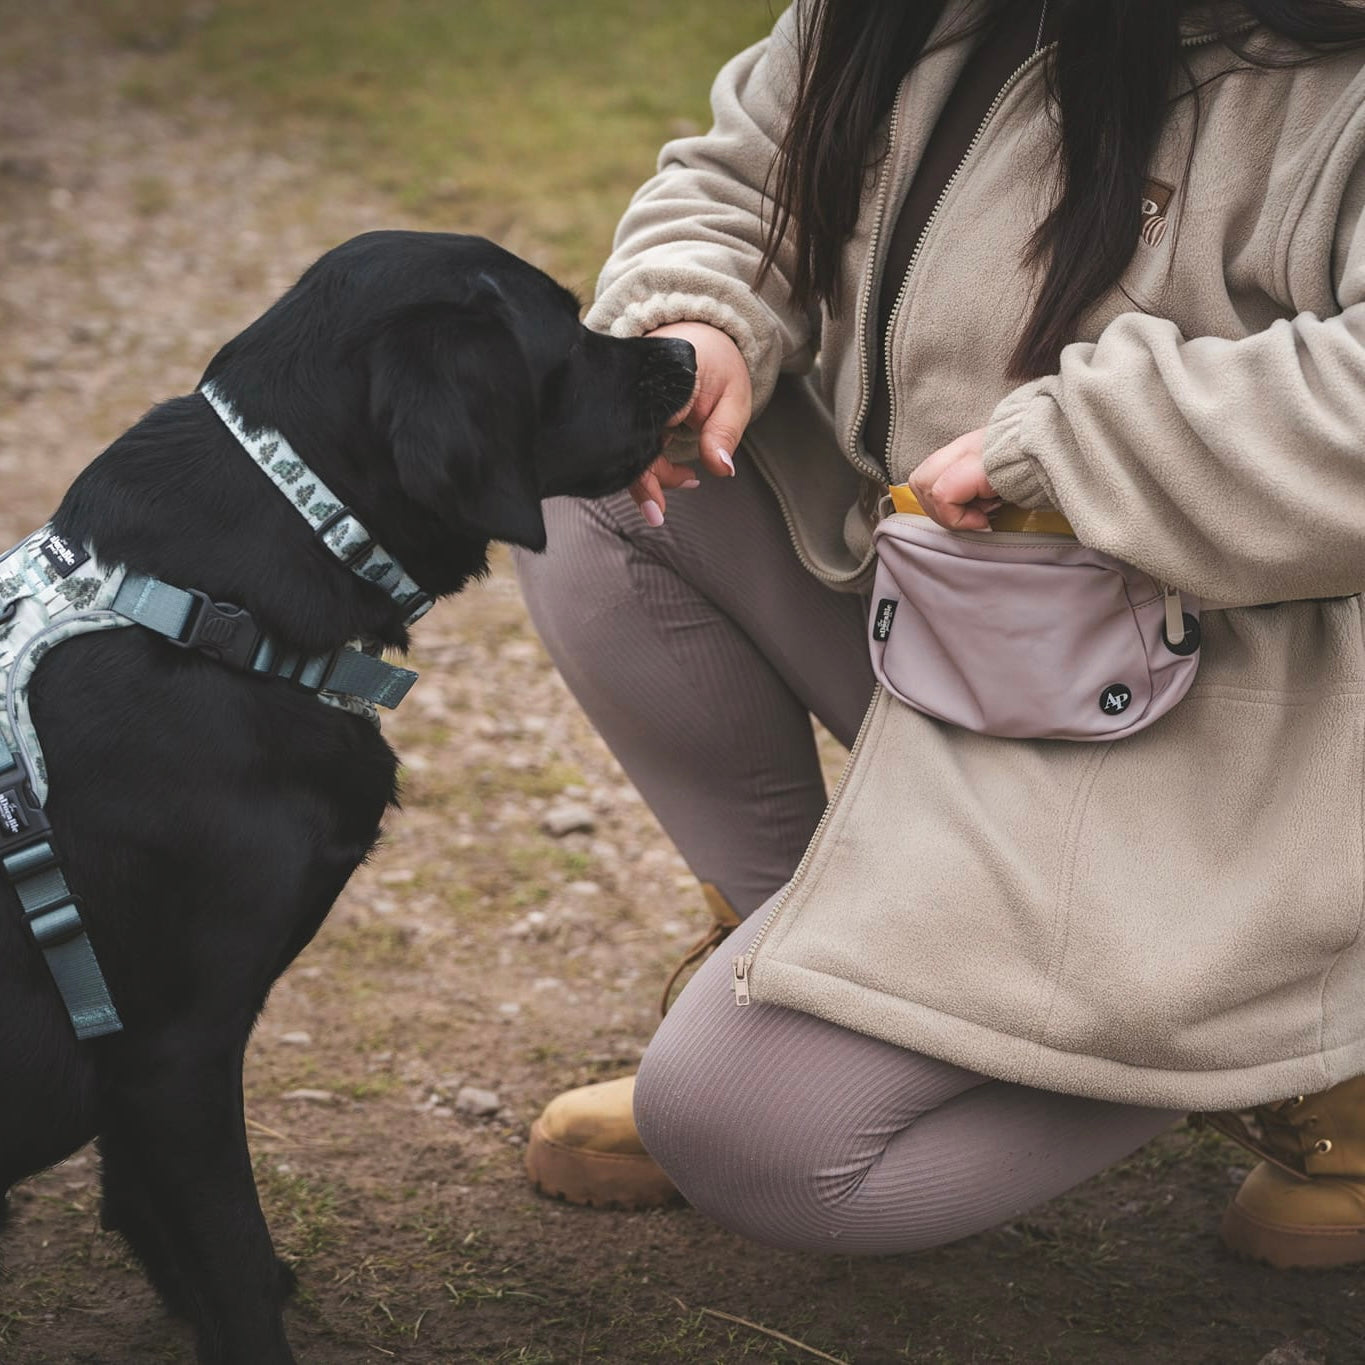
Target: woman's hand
[
  {"x": 720, "y": 407},
  {"x": 952, "y": 486}
]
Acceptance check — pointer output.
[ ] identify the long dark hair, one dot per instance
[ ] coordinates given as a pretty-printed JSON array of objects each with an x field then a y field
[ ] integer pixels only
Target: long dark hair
[{"x": 1109, "y": 83}]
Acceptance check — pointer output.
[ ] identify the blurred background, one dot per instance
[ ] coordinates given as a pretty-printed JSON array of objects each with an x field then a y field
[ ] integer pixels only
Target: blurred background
[{"x": 167, "y": 168}]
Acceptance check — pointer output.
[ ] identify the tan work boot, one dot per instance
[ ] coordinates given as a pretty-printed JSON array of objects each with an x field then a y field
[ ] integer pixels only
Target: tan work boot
[
  {"x": 584, "y": 1147},
  {"x": 1304, "y": 1205}
]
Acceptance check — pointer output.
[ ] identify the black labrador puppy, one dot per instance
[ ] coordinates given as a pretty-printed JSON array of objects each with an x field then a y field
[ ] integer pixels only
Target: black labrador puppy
[{"x": 208, "y": 817}]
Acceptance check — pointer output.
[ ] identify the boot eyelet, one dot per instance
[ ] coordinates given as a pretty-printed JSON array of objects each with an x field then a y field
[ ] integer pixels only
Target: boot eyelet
[{"x": 1322, "y": 1146}]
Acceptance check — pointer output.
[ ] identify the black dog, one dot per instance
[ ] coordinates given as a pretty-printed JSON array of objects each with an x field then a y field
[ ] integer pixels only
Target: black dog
[{"x": 209, "y": 818}]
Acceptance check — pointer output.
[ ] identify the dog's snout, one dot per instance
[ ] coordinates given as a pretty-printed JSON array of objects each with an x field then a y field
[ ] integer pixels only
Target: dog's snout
[
  {"x": 680, "y": 352},
  {"x": 669, "y": 375}
]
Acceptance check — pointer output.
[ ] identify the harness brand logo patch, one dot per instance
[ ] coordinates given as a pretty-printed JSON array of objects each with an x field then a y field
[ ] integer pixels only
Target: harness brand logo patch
[
  {"x": 12, "y": 819},
  {"x": 881, "y": 622},
  {"x": 64, "y": 557},
  {"x": 1116, "y": 699},
  {"x": 1156, "y": 199}
]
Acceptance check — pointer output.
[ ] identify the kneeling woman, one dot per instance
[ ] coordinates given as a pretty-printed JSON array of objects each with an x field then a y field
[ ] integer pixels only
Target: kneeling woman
[{"x": 1096, "y": 256}]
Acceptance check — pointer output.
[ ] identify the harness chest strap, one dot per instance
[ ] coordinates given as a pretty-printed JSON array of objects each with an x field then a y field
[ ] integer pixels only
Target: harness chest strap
[
  {"x": 51, "y": 911},
  {"x": 229, "y": 634}
]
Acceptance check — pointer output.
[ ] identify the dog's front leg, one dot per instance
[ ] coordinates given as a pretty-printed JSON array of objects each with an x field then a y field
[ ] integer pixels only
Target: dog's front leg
[{"x": 178, "y": 1184}]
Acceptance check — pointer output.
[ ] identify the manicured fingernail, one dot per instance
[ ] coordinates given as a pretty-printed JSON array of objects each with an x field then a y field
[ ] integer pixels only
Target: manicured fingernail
[
  {"x": 724, "y": 457},
  {"x": 652, "y": 512},
  {"x": 690, "y": 483}
]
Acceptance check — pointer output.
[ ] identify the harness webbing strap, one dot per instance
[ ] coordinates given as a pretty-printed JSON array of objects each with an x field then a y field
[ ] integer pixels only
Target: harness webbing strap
[
  {"x": 51, "y": 912},
  {"x": 334, "y": 524},
  {"x": 230, "y": 635},
  {"x": 154, "y": 604}
]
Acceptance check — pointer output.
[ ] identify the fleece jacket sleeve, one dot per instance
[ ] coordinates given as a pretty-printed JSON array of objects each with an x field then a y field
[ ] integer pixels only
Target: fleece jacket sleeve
[
  {"x": 1230, "y": 468},
  {"x": 688, "y": 247}
]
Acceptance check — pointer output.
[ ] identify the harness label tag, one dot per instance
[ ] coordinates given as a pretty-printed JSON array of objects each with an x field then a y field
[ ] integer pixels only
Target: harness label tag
[
  {"x": 64, "y": 557},
  {"x": 12, "y": 819}
]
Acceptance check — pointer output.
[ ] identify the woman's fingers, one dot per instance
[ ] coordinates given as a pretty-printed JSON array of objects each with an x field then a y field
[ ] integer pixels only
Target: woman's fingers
[
  {"x": 648, "y": 492},
  {"x": 722, "y": 402},
  {"x": 952, "y": 486}
]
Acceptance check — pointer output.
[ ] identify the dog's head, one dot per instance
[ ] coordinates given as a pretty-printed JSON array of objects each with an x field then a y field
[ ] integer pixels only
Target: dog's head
[{"x": 448, "y": 374}]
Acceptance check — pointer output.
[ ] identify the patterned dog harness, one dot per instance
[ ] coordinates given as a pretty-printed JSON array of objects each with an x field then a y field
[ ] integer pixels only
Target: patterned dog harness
[{"x": 52, "y": 591}]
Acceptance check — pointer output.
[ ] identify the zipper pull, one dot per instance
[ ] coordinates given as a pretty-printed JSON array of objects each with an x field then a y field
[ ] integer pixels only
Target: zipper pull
[
  {"x": 1175, "y": 619},
  {"x": 741, "y": 980}
]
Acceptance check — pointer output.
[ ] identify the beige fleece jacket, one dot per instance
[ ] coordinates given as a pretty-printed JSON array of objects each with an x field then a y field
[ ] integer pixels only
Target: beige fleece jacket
[{"x": 1174, "y": 918}]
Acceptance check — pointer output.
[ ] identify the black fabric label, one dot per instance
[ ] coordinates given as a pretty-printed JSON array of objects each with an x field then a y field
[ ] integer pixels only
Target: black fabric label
[
  {"x": 12, "y": 818},
  {"x": 881, "y": 621},
  {"x": 64, "y": 557}
]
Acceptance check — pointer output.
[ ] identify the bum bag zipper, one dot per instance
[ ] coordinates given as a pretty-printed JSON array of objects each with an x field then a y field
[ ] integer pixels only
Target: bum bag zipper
[{"x": 743, "y": 961}]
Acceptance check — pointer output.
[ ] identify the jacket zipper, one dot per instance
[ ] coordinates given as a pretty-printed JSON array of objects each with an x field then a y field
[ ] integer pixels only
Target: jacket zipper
[
  {"x": 919, "y": 244},
  {"x": 833, "y": 579},
  {"x": 1196, "y": 41},
  {"x": 743, "y": 962},
  {"x": 864, "y": 303}
]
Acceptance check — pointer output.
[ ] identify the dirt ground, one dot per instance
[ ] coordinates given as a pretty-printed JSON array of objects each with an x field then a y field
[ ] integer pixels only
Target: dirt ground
[{"x": 477, "y": 949}]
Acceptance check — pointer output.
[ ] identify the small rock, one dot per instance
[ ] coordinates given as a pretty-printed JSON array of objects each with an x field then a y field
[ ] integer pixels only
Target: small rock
[
  {"x": 397, "y": 875},
  {"x": 310, "y": 1096},
  {"x": 479, "y": 1104},
  {"x": 533, "y": 924},
  {"x": 509, "y": 1009},
  {"x": 568, "y": 818},
  {"x": 299, "y": 1038},
  {"x": 585, "y": 889}
]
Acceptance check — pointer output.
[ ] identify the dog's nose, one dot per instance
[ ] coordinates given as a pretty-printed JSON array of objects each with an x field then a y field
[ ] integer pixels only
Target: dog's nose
[{"x": 680, "y": 352}]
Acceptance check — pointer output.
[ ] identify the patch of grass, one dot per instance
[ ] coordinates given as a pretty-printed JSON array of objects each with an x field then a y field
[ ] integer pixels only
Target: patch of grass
[
  {"x": 301, "y": 1211},
  {"x": 373, "y": 943},
  {"x": 151, "y": 195},
  {"x": 525, "y": 117}
]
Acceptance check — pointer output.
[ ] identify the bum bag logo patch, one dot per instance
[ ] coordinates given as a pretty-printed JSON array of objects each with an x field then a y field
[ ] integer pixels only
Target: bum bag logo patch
[
  {"x": 1115, "y": 699},
  {"x": 881, "y": 623}
]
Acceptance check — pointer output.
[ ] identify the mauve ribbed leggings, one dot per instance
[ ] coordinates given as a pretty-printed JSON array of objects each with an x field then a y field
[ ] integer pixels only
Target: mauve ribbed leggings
[{"x": 699, "y": 651}]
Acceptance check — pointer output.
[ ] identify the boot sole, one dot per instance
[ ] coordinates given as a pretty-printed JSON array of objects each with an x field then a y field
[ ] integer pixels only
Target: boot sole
[
  {"x": 599, "y": 1180},
  {"x": 1289, "y": 1247}
]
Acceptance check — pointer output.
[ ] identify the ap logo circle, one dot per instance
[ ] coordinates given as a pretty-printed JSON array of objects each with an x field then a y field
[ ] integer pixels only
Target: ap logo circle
[{"x": 1116, "y": 699}]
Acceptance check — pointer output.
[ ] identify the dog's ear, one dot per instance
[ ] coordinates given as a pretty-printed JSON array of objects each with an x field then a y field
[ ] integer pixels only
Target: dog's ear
[{"x": 450, "y": 388}]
